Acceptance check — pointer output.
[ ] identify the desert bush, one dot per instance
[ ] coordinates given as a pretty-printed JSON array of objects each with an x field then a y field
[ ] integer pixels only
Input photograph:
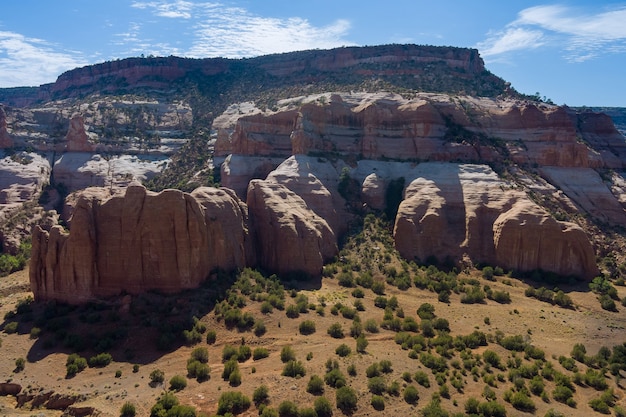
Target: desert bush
[
  {"x": 100, "y": 360},
  {"x": 315, "y": 385},
  {"x": 260, "y": 353},
  {"x": 514, "y": 343},
  {"x": 322, "y": 407},
  {"x": 287, "y": 409},
  {"x": 230, "y": 366},
  {"x": 371, "y": 326},
  {"x": 11, "y": 327},
  {"x": 287, "y": 354},
  {"x": 378, "y": 287},
  {"x": 562, "y": 393},
  {"x": 234, "y": 379},
  {"x": 335, "y": 331},
  {"x": 201, "y": 354},
  {"x": 157, "y": 376},
  {"x": 343, "y": 350},
  {"x": 294, "y": 369},
  {"x": 334, "y": 378},
  {"x": 20, "y": 363},
  {"x": 361, "y": 344},
  {"x": 292, "y": 311},
  {"x": 520, "y": 401},
  {"x": 128, "y": 410},
  {"x": 259, "y": 328},
  {"x": 233, "y": 402},
  {"x": 307, "y": 327},
  {"x": 426, "y": 311},
  {"x": 260, "y": 395},
  {"x": 410, "y": 394},
  {"x": 422, "y": 378},
  {"x": 378, "y": 402},
  {"x": 177, "y": 383},
  {"x": 229, "y": 352},
  {"x": 346, "y": 400},
  {"x": 376, "y": 385},
  {"x": 211, "y": 337},
  {"x": 358, "y": 293}
]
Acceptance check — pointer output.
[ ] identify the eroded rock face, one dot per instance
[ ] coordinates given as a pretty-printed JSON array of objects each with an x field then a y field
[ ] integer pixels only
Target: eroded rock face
[
  {"x": 466, "y": 210},
  {"x": 76, "y": 137},
  {"x": 5, "y": 139},
  {"x": 290, "y": 236},
  {"x": 527, "y": 238},
  {"x": 168, "y": 241}
]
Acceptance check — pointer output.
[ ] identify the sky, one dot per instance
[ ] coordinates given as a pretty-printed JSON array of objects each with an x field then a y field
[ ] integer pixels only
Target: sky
[{"x": 571, "y": 52}]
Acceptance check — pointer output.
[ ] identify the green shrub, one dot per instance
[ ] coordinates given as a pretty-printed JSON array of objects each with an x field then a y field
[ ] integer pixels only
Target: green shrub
[
  {"x": 201, "y": 354},
  {"x": 244, "y": 353},
  {"x": 260, "y": 353},
  {"x": 377, "y": 385},
  {"x": 343, "y": 350},
  {"x": 371, "y": 326},
  {"x": 234, "y": 379},
  {"x": 334, "y": 378},
  {"x": 157, "y": 376},
  {"x": 229, "y": 367},
  {"x": 177, "y": 383},
  {"x": 378, "y": 402},
  {"x": 11, "y": 327},
  {"x": 20, "y": 363},
  {"x": 514, "y": 343},
  {"x": 411, "y": 395},
  {"x": 378, "y": 287},
  {"x": 128, "y": 410},
  {"x": 198, "y": 370},
  {"x": 315, "y": 385},
  {"x": 294, "y": 369},
  {"x": 422, "y": 378},
  {"x": 100, "y": 360},
  {"x": 520, "y": 401},
  {"x": 287, "y": 354},
  {"x": 260, "y": 395},
  {"x": 322, "y": 407},
  {"x": 346, "y": 400},
  {"x": 233, "y": 402},
  {"x": 229, "y": 352},
  {"x": 288, "y": 409},
  {"x": 562, "y": 393},
  {"x": 307, "y": 327},
  {"x": 259, "y": 328},
  {"x": 335, "y": 331},
  {"x": 361, "y": 344},
  {"x": 211, "y": 337}
]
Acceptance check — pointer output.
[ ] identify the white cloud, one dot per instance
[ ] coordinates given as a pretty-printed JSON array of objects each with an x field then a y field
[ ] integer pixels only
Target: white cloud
[
  {"x": 177, "y": 9},
  {"x": 580, "y": 34},
  {"x": 512, "y": 39},
  {"x": 30, "y": 62},
  {"x": 234, "y": 32}
]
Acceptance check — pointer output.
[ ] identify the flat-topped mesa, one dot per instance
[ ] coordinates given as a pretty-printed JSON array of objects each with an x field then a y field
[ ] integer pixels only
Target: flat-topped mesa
[
  {"x": 427, "y": 127},
  {"x": 168, "y": 241},
  {"x": 159, "y": 73}
]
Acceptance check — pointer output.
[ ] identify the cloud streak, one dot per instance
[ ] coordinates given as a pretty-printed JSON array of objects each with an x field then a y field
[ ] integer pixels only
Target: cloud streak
[
  {"x": 580, "y": 35},
  {"x": 31, "y": 62},
  {"x": 234, "y": 32}
]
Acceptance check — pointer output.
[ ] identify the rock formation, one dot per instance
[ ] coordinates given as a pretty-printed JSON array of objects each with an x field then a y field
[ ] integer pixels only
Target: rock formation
[
  {"x": 77, "y": 139},
  {"x": 5, "y": 139},
  {"x": 527, "y": 238},
  {"x": 168, "y": 241},
  {"x": 466, "y": 210}
]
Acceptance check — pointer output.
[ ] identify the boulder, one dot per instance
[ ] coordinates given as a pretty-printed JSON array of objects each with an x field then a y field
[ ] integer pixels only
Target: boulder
[{"x": 10, "y": 388}]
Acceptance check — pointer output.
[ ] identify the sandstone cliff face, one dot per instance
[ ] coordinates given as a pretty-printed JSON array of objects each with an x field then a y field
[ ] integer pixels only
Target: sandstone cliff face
[
  {"x": 168, "y": 241},
  {"x": 527, "y": 238},
  {"x": 5, "y": 139},
  {"x": 427, "y": 127},
  {"x": 467, "y": 211}
]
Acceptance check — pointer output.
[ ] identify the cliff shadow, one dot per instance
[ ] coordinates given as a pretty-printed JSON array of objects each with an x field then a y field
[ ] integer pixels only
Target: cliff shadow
[{"x": 141, "y": 328}]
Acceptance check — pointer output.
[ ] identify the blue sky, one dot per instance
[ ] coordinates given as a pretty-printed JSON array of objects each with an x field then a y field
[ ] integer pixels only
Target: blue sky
[{"x": 573, "y": 52}]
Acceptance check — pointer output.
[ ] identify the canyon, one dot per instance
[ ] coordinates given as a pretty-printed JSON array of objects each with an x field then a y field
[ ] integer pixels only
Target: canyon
[{"x": 478, "y": 175}]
